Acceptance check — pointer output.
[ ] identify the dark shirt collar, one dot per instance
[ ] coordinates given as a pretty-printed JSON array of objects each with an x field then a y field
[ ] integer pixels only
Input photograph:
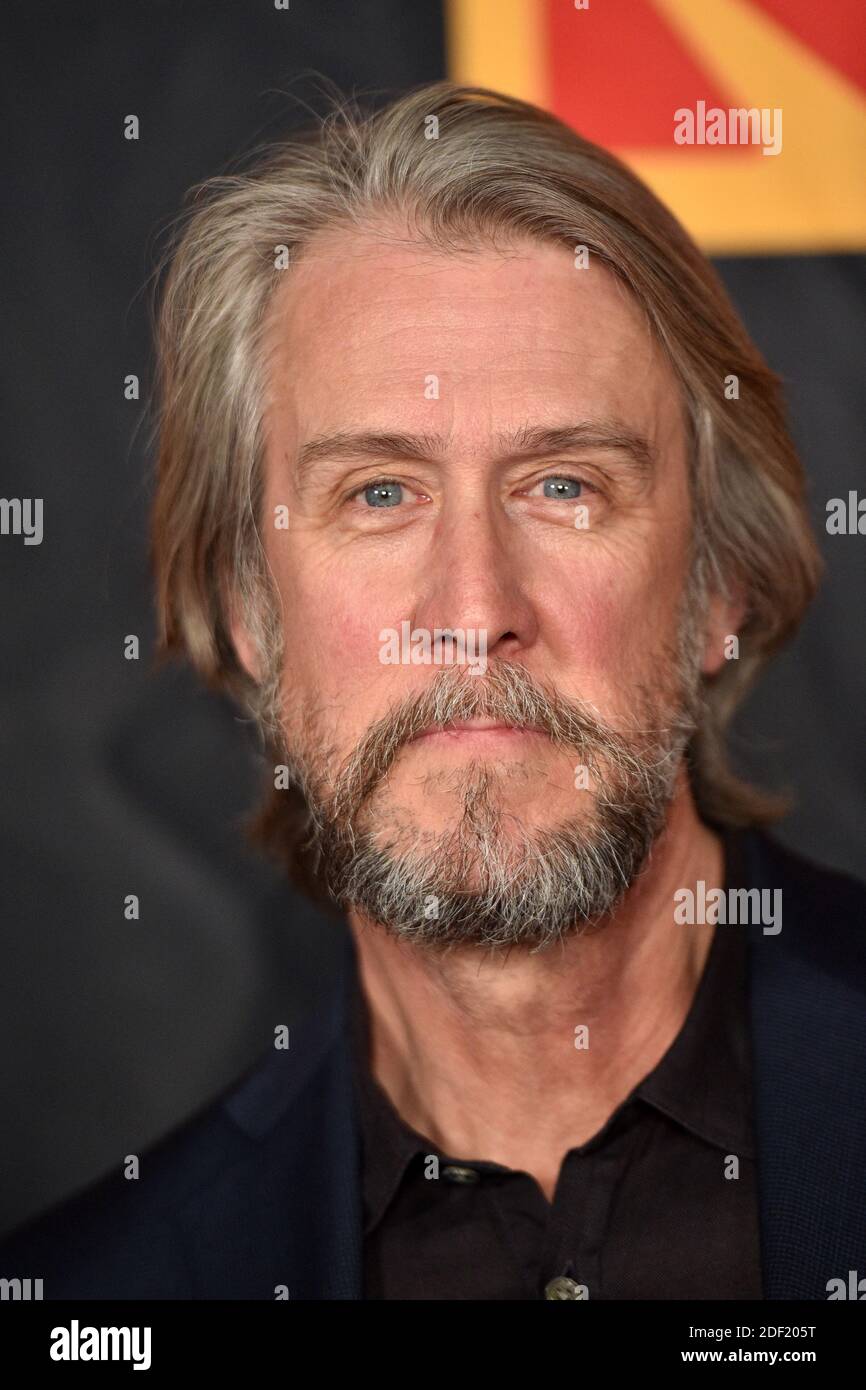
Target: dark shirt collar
[{"x": 703, "y": 1081}]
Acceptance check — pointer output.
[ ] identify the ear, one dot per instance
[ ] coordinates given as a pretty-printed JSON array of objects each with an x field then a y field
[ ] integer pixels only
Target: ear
[
  {"x": 725, "y": 617},
  {"x": 244, "y": 645}
]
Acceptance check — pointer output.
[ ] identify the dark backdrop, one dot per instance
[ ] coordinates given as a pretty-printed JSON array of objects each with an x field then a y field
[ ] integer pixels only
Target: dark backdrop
[{"x": 117, "y": 780}]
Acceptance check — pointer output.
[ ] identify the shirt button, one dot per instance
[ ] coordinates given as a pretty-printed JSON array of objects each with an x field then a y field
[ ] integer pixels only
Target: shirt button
[
  {"x": 462, "y": 1175},
  {"x": 563, "y": 1287}
]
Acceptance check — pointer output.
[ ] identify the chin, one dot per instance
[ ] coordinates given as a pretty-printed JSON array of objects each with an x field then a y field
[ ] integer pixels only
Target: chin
[
  {"x": 482, "y": 873},
  {"x": 505, "y": 822}
]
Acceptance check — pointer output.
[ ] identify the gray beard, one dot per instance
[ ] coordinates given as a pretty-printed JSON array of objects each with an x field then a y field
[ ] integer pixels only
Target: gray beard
[
  {"x": 531, "y": 889},
  {"x": 477, "y": 884}
]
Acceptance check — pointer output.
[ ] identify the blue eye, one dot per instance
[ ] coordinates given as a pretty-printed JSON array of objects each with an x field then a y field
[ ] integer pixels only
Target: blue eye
[
  {"x": 564, "y": 488},
  {"x": 383, "y": 494}
]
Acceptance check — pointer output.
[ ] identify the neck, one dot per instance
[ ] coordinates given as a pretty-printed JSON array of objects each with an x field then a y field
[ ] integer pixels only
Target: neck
[{"x": 477, "y": 1050}]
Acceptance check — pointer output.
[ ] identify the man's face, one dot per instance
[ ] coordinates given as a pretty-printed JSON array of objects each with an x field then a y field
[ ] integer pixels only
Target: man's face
[{"x": 413, "y": 403}]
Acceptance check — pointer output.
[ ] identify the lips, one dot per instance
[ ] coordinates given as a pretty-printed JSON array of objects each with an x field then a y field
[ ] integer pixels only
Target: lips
[{"x": 476, "y": 726}]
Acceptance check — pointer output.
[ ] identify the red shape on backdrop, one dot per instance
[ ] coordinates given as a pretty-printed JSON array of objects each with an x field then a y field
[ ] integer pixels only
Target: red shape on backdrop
[
  {"x": 618, "y": 72},
  {"x": 837, "y": 31}
]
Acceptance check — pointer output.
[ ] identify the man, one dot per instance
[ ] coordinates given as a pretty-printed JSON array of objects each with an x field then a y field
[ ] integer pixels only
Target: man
[{"x": 454, "y": 494}]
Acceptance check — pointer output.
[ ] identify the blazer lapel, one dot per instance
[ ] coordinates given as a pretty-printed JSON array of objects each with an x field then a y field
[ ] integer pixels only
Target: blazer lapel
[
  {"x": 288, "y": 1214},
  {"x": 808, "y": 1012}
]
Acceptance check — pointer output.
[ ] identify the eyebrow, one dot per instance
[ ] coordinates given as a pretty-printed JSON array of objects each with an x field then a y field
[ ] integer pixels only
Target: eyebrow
[{"x": 525, "y": 443}]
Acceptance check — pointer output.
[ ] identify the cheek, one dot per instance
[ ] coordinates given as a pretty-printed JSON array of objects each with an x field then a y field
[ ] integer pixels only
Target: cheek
[
  {"x": 607, "y": 636},
  {"x": 621, "y": 616},
  {"x": 333, "y": 676}
]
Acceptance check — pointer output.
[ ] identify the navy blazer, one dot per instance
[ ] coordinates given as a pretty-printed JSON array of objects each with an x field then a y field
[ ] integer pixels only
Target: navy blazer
[{"x": 262, "y": 1188}]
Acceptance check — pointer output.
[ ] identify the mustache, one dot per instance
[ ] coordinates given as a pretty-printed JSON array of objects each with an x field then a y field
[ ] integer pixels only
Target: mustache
[{"x": 507, "y": 692}]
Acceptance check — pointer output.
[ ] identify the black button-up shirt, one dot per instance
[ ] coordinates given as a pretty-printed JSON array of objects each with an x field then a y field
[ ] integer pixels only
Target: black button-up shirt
[{"x": 650, "y": 1207}]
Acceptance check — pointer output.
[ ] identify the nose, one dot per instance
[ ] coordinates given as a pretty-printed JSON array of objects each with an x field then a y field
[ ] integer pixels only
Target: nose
[{"x": 475, "y": 577}]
